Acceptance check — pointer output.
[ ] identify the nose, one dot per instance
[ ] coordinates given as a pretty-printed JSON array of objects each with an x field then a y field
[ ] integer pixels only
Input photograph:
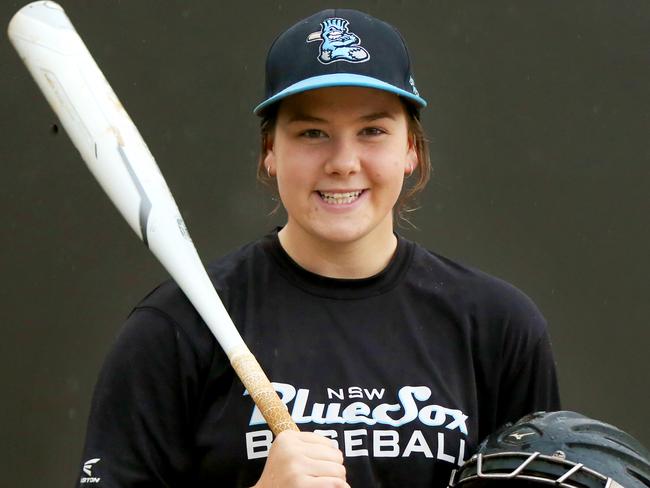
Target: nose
[{"x": 344, "y": 159}]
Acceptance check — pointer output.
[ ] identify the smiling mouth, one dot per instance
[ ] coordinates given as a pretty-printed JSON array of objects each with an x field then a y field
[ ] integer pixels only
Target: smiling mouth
[{"x": 340, "y": 198}]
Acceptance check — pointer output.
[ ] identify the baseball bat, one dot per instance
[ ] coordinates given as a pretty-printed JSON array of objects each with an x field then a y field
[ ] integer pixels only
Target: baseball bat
[{"x": 118, "y": 157}]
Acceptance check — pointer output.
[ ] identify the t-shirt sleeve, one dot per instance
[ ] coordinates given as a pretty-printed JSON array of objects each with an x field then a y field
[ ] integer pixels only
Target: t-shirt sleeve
[
  {"x": 528, "y": 378},
  {"x": 138, "y": 433},
  {"x": 530, "y": 384},
  {"x": 517, "y": 372}
]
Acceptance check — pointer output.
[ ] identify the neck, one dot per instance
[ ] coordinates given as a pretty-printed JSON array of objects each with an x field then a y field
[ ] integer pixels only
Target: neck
[{"x": 358, "y": 259}]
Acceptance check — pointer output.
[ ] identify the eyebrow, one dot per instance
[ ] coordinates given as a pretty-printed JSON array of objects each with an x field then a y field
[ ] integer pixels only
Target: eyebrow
[
  {"x": 302, "y": 117},
  {"x": 377, "y": 116}
]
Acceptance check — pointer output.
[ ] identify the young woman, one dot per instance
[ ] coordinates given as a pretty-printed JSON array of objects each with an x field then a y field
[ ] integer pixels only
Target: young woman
[{"x": 393, "y": 361}]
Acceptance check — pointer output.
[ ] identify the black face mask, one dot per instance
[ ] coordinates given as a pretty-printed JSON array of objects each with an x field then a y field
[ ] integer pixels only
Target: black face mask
[{"x": 560, "y": 449}]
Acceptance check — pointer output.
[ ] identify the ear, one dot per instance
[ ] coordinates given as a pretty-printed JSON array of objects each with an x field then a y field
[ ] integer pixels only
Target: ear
[
  {"x": 269, "y": 155},
  {"x": 411, "y": 161}
]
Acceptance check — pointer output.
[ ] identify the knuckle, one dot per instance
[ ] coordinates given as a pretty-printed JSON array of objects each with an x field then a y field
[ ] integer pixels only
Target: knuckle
[
  {"x": 284, "y": 439},
  {"x": 339, "y": 456},
  {"x": 284, "y": 436},
  {"x": 311, "y": 438}
]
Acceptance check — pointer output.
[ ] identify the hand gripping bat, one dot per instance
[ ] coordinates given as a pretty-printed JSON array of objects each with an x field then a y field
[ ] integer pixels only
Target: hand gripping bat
[{"x": 115, "y": 153}]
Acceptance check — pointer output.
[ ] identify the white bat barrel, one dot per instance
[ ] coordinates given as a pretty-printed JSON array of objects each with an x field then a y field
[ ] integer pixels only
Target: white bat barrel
[{"x": 114, "y": 151}]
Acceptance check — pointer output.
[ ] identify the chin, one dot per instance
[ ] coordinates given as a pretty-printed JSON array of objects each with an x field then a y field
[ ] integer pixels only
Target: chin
[{"x": 342, "y": 234}]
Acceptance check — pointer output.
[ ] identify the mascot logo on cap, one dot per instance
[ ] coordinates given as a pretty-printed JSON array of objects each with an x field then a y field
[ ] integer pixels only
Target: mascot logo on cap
[{"x": 338, "y": 44}]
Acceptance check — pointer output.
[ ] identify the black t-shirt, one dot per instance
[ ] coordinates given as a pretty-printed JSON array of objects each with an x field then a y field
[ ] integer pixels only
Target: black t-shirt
[{"x": 406, "y": 371}]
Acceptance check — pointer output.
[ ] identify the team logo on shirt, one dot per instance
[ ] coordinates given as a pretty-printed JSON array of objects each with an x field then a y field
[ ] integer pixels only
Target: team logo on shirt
[
  {"x": 435, "y": 431},
  {"x": 87, "y": 468},
  {"x": 338, "y": 43}
]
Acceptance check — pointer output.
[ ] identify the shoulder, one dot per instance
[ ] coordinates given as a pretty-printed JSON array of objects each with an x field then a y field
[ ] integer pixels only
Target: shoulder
[
  {"x": 485, "y": 298},
  {"x": 239, "y": 266},
  {"x": 229, "y": 272},
  {"x": 221, "y": 271}
]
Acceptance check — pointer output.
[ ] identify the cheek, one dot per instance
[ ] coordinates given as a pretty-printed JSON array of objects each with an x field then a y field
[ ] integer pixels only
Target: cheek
[
  {"x": 292, "y": 177},
  {"x": 295, "y": 181},
  {"x": 388, "y": 169},
  {"x": 389, "y": 177},
  {"x": 298, "y": 166}
]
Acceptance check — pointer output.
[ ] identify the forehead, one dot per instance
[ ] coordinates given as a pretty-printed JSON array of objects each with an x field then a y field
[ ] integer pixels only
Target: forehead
[{"x": 341, "y": 101}]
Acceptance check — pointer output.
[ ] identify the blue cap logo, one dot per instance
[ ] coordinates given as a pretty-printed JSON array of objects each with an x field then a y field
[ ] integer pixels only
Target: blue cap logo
[{"x": 338, "y": 44}]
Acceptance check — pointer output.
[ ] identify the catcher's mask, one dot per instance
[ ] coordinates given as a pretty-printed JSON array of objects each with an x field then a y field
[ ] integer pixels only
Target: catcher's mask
[{"x": 561, "y": 449}]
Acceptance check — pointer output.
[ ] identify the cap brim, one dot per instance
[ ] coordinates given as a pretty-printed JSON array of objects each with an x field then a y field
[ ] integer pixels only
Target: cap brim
[{"x": 338, "y": 79}]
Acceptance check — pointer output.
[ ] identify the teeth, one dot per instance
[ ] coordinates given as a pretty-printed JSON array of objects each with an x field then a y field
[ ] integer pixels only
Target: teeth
[{"x": 340, "y": 198}]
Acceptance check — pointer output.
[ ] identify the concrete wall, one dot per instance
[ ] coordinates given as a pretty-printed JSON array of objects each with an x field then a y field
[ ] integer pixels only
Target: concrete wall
[{"x": 538, "y": 119}]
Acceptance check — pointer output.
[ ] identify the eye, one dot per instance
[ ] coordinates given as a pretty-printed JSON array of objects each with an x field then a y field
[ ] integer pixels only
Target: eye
[
  {"x": 313, "y": 134},
  {"x": 372, "y": 131}
]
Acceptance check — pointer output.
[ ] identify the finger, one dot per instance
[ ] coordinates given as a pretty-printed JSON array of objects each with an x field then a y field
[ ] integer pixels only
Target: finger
[
  {"x": 325, "y": 482},
  {"x": 325, "y": 469},
  {"x": 301, "y": 440},
  {"x": 324, "y": 453},
  {"x": 312, "y": 438}
]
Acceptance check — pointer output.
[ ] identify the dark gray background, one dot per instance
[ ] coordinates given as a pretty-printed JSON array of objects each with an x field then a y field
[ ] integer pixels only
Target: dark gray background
[{"x": 538, "y": 118}]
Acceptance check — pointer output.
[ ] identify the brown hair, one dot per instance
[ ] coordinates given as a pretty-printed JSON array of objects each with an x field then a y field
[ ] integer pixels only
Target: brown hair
[{"x": 409, "y": 191}]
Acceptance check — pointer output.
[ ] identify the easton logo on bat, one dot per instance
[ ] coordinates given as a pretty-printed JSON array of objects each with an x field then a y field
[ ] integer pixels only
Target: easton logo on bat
[{"x": 183, "y": 228}]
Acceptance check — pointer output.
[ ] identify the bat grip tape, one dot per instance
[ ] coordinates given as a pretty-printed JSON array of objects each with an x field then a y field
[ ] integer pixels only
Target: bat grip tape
[{"x": 262, "y": 392}]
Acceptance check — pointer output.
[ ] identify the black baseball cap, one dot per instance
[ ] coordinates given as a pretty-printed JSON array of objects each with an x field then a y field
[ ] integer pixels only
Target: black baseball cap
[{"x": 339, "y": 47}]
